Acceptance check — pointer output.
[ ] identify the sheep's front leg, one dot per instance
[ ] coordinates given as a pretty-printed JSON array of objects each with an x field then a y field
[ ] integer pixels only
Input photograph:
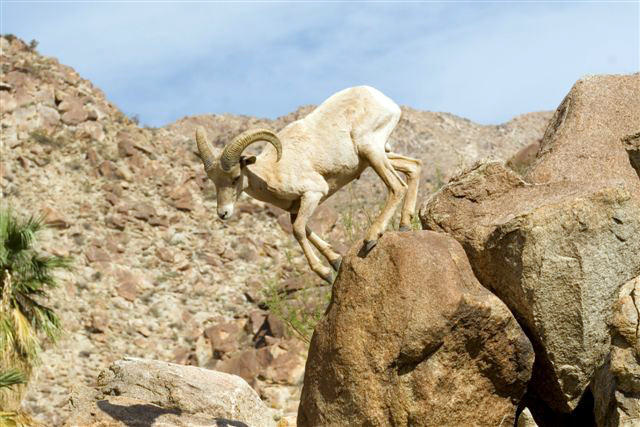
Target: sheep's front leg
[
  {"x": 334, "y": 258},
  {"x": 397, "y": 188},
  {"x": 411, "y": 168},
  {"x": 308, "y": 204}
]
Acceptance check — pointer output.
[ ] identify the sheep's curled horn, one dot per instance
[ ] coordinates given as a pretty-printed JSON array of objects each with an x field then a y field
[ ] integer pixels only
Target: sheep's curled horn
[
  {"x": 205, "y": 150},
  {"x": 231, "y": 154},
  {"x": 233, "y": 150}
]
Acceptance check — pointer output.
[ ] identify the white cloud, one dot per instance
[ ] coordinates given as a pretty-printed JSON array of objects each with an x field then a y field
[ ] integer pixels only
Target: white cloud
[{"x": 484, "y": 61}]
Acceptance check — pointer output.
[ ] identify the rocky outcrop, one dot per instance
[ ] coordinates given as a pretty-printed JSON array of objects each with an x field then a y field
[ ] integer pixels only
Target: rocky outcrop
[
  {"x": 557, "y": 246},
  {"x": 411, "y": 338},
  {"x": 556, "y": 254},
  {"x": 584, "y": 139},
  {"x": 616, "y": 388},
  {"x": 148, "y": 392}
]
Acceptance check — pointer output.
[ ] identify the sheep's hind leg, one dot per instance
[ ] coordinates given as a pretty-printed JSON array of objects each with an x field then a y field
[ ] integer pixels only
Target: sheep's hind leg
[
  {"x": 396, "y": 187},
  {"x": 308, "y": 203},
  {"x": 411, "y": 168}
]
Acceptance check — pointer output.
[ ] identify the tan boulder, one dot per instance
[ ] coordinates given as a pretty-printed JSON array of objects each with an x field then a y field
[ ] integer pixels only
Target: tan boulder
[
  {"x": 17, "y": 79},
  {"x": 7, "y": 102},
  {"x": 148, "y": 392},
  {"x": 45, "y": 96},
  {"x": 25, "y": 118},
  {"x": 49, "y": 118},
  {"x": 110, "y": 170},
  {"x": 90, "y": 130},
  {"x": 225, "y": 337},
  {"x": 96, "y": 254},
  {"x": 128, "y": 290},
  {"x": 53, "y": 218},
  {"x": 555, "y": 254},
  {"x": 556, "y": 246},
  {"x": 584, "y": 136},
  {"x": 73, "y": 111},
  {"x": 143, "y": 210},
  {"x": 411, "y": 338},
  {"x": 616, "y": 388},
  {"x": 125, "y": 144}
]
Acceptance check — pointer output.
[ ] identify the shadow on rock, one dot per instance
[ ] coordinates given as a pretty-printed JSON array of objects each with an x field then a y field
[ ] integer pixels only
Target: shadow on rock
[
  {"x": 221, "y": 422},
  {"x": 142, "y": 415}
]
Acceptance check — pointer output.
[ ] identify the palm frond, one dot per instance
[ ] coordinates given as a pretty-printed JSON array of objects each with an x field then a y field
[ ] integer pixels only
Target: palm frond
[
  {"x": 17, "y": 419},
  {"x": 7, "y": 339},
  {"x": 11, "y": 377},
  {"x": 19, "y": 236},
  {"x": 25, "y": 336},
  {"x": 25, "y": 276},
  {"x": 41, "y": 268},
  {"x": 43, "y": 319}
]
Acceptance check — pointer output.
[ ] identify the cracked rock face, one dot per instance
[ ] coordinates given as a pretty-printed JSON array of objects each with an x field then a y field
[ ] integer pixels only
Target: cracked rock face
[
  {"x": 616, "y": 388},
  {"x": 557, "y": 245},
  {"x": 411, "y": 338},
  {"x": 556, "y": 254}
]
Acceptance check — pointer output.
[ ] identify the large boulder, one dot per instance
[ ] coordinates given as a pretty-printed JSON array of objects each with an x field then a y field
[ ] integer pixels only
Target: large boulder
[
  {"x": 556, "y": 254},
  {"x": 557, "y": 246},
  {"x": 411, "y": 338},
  {"x": 616, "y": 388},
  {"x": 585, "y": 139},
  {"x": 149, "y": 392}
]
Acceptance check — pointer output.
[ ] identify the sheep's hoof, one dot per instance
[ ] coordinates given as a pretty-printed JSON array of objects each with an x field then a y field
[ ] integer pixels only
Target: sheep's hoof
[
  {"x": 336, "y": 263},
  {"x": 368, "y": 245},
  {"x": 328, "y": 278},
  {"x": 404, "y": 228}
]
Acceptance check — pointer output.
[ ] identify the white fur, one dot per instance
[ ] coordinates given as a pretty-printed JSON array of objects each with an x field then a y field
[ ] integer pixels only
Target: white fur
[{"x": 323, "y": 152}]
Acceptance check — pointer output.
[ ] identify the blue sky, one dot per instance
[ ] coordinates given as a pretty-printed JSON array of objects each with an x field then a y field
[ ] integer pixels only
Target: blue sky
[{"x": 486, "y": 61}]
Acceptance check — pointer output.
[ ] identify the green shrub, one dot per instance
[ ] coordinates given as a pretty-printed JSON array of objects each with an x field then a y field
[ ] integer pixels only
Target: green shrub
[{"x": 301, "y": 310}]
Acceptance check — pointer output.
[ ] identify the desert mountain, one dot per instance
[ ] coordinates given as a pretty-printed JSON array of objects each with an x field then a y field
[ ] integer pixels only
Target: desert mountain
[{"x": 157, "y": 275}]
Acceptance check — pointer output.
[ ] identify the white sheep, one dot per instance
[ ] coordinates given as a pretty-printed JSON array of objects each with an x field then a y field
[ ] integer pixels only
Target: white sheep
[{"x": 312, "y": 158}]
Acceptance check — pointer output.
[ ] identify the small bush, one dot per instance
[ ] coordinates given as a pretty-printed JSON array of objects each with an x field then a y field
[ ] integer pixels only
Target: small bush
[
  {"x": 302, "y": 310},
  {"x": 43, "y": 138}
]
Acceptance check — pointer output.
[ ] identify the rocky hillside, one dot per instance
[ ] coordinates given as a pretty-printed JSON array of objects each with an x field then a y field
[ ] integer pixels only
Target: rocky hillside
[{"x": 156, "y": 274}]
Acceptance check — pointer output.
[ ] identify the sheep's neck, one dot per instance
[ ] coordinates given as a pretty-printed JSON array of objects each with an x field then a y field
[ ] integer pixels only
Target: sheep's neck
[{"x": 258, "y": 188}]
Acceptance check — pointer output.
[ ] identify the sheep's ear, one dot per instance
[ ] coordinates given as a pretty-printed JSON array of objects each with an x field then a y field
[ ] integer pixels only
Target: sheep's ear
[{"x": 244, "y": 160}]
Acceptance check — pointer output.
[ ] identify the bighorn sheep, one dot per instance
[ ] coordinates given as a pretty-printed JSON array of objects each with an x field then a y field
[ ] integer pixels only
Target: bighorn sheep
[{"x": 312, "y": 158}]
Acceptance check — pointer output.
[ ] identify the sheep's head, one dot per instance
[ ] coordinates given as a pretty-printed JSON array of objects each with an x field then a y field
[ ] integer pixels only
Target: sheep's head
[{"x": 226, "y": 169}]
